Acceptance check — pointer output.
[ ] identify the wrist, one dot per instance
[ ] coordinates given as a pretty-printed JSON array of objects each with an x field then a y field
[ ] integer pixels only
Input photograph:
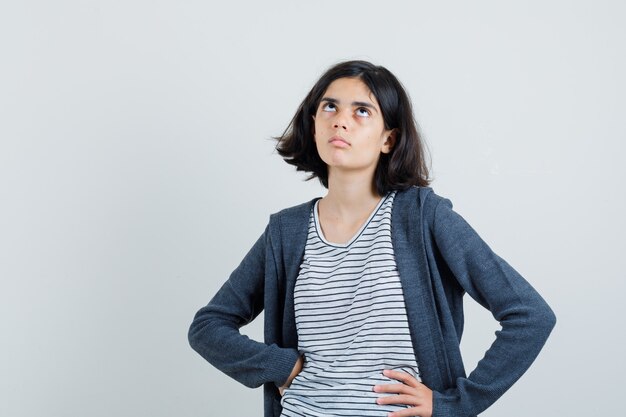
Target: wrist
[{"x": 297, "y": 368}]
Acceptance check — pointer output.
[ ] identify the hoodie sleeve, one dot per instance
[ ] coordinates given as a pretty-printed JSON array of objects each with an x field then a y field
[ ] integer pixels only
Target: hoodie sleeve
[
  {"x": 526, "y": 319},
  {"x": 214, "y": 332}
]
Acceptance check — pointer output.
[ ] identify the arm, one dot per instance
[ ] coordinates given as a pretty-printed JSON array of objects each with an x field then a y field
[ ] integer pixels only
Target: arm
[
  {"x": 214, "y": 332},
  {"x": 526, "y": 319}
]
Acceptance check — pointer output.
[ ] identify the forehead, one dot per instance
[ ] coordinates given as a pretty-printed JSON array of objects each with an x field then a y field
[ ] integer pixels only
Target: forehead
[{"x": 349, "y": 90}]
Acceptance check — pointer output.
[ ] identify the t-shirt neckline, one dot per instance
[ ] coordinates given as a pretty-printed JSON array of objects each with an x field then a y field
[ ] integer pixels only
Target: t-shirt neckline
[{"x": 320, "y": 234}]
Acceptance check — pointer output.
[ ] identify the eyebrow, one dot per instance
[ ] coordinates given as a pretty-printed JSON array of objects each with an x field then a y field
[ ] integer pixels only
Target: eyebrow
[{"x": 354, "y": 103}]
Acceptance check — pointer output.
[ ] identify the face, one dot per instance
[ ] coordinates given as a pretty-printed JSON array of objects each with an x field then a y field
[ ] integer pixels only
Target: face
[{"x": 350, "y": 132}]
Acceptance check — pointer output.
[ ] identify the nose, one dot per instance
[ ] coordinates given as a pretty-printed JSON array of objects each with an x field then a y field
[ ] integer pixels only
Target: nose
[{"x": 340, "y": 121}]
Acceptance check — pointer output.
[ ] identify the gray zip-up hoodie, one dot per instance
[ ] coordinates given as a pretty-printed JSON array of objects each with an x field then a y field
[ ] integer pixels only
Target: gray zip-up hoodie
[{"x": 439, "y": 258}]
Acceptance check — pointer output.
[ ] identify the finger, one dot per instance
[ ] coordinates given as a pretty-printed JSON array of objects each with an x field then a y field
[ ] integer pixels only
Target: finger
[
  {"x": 402, "y": 377},
  {"x": 399, "y": 399},
  {"x": 409, "y": 412},
  {"x": 394, "y": 389}
]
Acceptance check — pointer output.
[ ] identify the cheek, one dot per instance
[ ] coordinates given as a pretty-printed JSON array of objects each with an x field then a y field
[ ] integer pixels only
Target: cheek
[{"x": 319, "y": 124}]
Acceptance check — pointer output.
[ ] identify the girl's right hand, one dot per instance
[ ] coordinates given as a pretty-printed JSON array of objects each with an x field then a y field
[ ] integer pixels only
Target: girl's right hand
[{"x": 297, "y": 368}]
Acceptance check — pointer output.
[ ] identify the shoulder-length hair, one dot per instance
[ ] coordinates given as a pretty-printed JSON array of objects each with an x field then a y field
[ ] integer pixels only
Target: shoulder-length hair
[{"x": 399, "y": 169}]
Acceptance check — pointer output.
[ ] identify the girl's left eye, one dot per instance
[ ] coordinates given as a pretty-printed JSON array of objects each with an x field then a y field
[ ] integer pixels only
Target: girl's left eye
[{"x": 363, "y": 112}]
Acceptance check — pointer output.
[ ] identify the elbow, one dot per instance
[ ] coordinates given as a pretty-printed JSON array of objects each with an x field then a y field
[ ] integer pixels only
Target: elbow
[
  {"x": 544, "y": 321},
  {"x": 549, "y": 318},
  {"x": 207, "y": 333},
  {"x": 193, "y": 337},
  {"x": 200, "y": 334},
  {"x": 535, "y": 320}
]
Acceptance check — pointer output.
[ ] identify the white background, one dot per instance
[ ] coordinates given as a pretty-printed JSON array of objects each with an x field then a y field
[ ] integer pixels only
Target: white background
[{"x": 136, "y": 170}]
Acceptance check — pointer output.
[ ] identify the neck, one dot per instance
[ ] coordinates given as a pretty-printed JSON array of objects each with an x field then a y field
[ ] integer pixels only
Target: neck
[{"x": 350, "y": 194}]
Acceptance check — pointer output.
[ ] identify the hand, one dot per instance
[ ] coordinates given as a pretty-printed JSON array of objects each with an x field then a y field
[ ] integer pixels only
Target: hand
[
  {"x": 410, "y": 392},
  {"x": 297, "y": 368}
]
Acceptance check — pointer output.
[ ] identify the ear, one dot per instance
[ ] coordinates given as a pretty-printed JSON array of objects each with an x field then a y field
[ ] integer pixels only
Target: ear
[
  {"x": 313, "y": 126},
  {"x": 390, "y": 140}
]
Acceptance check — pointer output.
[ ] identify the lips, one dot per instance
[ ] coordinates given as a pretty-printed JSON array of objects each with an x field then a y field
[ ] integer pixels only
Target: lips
[{"x": 339, "y": 141}]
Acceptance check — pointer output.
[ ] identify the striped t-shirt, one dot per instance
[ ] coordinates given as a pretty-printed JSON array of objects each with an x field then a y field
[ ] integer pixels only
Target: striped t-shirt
[{"x": 351, "y": 321}]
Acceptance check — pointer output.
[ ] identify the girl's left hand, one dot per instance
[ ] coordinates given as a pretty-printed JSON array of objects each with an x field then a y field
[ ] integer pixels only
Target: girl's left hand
[{"x": 410, "y": 392}]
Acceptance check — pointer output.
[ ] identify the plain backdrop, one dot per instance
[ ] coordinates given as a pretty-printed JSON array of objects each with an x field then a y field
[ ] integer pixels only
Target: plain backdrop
[{"x": 137, "y": 168}]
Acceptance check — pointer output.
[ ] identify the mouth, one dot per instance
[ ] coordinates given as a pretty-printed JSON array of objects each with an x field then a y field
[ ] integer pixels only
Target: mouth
[{"x": 339, "y": 141}]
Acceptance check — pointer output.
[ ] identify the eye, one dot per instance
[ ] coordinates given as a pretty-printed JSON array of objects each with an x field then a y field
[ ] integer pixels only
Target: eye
[
  {"x": 329, "y": 107},
  {"x": 363, "y": 112}
]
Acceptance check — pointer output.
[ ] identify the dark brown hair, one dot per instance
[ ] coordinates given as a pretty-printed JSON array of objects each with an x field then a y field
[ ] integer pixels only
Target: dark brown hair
[{"x": 403, "y": 167}]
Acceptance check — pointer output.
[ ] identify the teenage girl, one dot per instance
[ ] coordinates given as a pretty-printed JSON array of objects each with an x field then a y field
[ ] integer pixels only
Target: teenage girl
[{"x": 362, "y": 289}]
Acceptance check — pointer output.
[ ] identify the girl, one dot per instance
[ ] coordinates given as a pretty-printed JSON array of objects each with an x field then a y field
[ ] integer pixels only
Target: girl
[{"x": 362, "y": 289}]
